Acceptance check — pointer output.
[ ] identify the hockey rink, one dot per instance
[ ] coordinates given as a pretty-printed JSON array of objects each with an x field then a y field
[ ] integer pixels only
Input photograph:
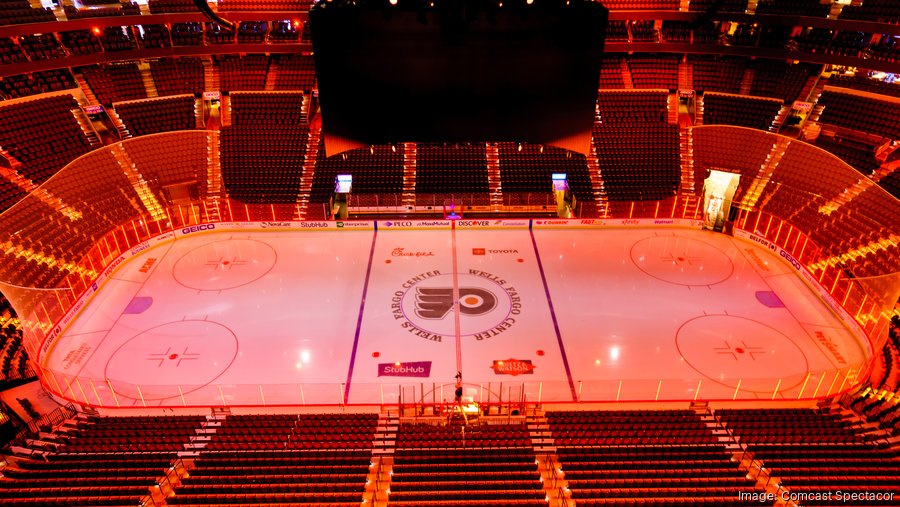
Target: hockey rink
[{"x": 291, "y": 317}]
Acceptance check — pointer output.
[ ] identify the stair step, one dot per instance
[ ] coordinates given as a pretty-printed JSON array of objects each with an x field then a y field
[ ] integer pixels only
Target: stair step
[
  {"x": 198, "y": 114},
  {"x": 85, "y": 88},
  {"x": 211, "y": 77},
  {"x": 685, "y": 76},
  {"x": 270, "y": 76},
  {"x": 409, "y": 175},
  {"x": 747, "y": 81},
  {"x": 626, "y": 72},
  {"x": 147, "y": 78},
  {"x": 309, "y": 167}
]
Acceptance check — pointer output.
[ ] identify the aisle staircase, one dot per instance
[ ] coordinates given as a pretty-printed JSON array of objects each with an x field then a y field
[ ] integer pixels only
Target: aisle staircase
[
  {"x": 211, "y": 75},
  {"x": 87, "y": 128},
  {"x": 14, "y": 176},
  {"x": 685, "y": 75},
  {"x": 215, "y": 192},
  {"x": 747, "y": 80},
  {"x": 551, "y": 472},
  {"x": 813, "y": 89},
  {"x": 225, "y": 110},
  {"x": 121, "y": 130},
  {"x": 672, "y": 109},
  {"x": 626, "y": 74},
  {"x": 309, "y": 169},
  {"x": 85, "y": 88},
  {"x": 408, "y": 198},
  {"x": 599, "y": 189},
  {"x": 141, "y": 187},
  {"x": 748, "y": 202},
  {"x": 862, "y": 183},
  {"x": 780, "y": 118},
  {"x": 698, "y": 112},
  {"x": 378, "y": 481},
  {"x": 147, "y": 78},
  {"x": 885, "y": 151},
  {"x": 686, "y": 154},
  {"x": 198, "y": 114},
  {"x": 747, "y": 461},
  {"x": 493, "y": 172},
  {"x": 600, "y": 198},
  {"x": 271, "y": 75}
]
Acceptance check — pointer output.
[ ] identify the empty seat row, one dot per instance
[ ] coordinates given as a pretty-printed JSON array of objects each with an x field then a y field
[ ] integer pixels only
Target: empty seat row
[
  {"x": 742, "y": 111},
  {"x": 162, "y": 114}
]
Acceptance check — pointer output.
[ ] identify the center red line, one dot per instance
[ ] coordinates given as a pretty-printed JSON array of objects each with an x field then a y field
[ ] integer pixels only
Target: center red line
[{"x": 456, "y": 297}]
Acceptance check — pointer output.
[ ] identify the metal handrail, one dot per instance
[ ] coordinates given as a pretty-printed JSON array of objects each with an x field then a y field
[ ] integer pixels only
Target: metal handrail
[
  {"x": 55, "y": 417},
  {"x": 550, "y": 466},
  {"x": 377, "y": 482}
]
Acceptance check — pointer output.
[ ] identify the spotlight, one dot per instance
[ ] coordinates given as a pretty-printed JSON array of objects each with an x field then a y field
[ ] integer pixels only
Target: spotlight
[
  {"x": 393, "y": 2},
  {"x": 529, "y": 2}
]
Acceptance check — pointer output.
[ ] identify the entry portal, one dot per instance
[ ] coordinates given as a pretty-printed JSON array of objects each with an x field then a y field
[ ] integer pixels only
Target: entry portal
[{"x": 718, "y": 192}]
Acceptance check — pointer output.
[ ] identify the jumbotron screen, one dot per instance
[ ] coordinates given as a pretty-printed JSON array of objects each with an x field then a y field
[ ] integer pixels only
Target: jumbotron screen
[{"x": 458, "y": 71}]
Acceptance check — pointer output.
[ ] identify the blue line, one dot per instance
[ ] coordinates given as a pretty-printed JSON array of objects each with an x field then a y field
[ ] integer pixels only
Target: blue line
[
  {"x": 562, "y": 348},
  {"x": 362, "y": 307}
]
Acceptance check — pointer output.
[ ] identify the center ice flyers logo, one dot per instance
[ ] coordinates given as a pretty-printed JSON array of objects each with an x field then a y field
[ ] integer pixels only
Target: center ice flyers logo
[
  {"x": 424, "y": 305},
  {"x": 436, "y": 303}
]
